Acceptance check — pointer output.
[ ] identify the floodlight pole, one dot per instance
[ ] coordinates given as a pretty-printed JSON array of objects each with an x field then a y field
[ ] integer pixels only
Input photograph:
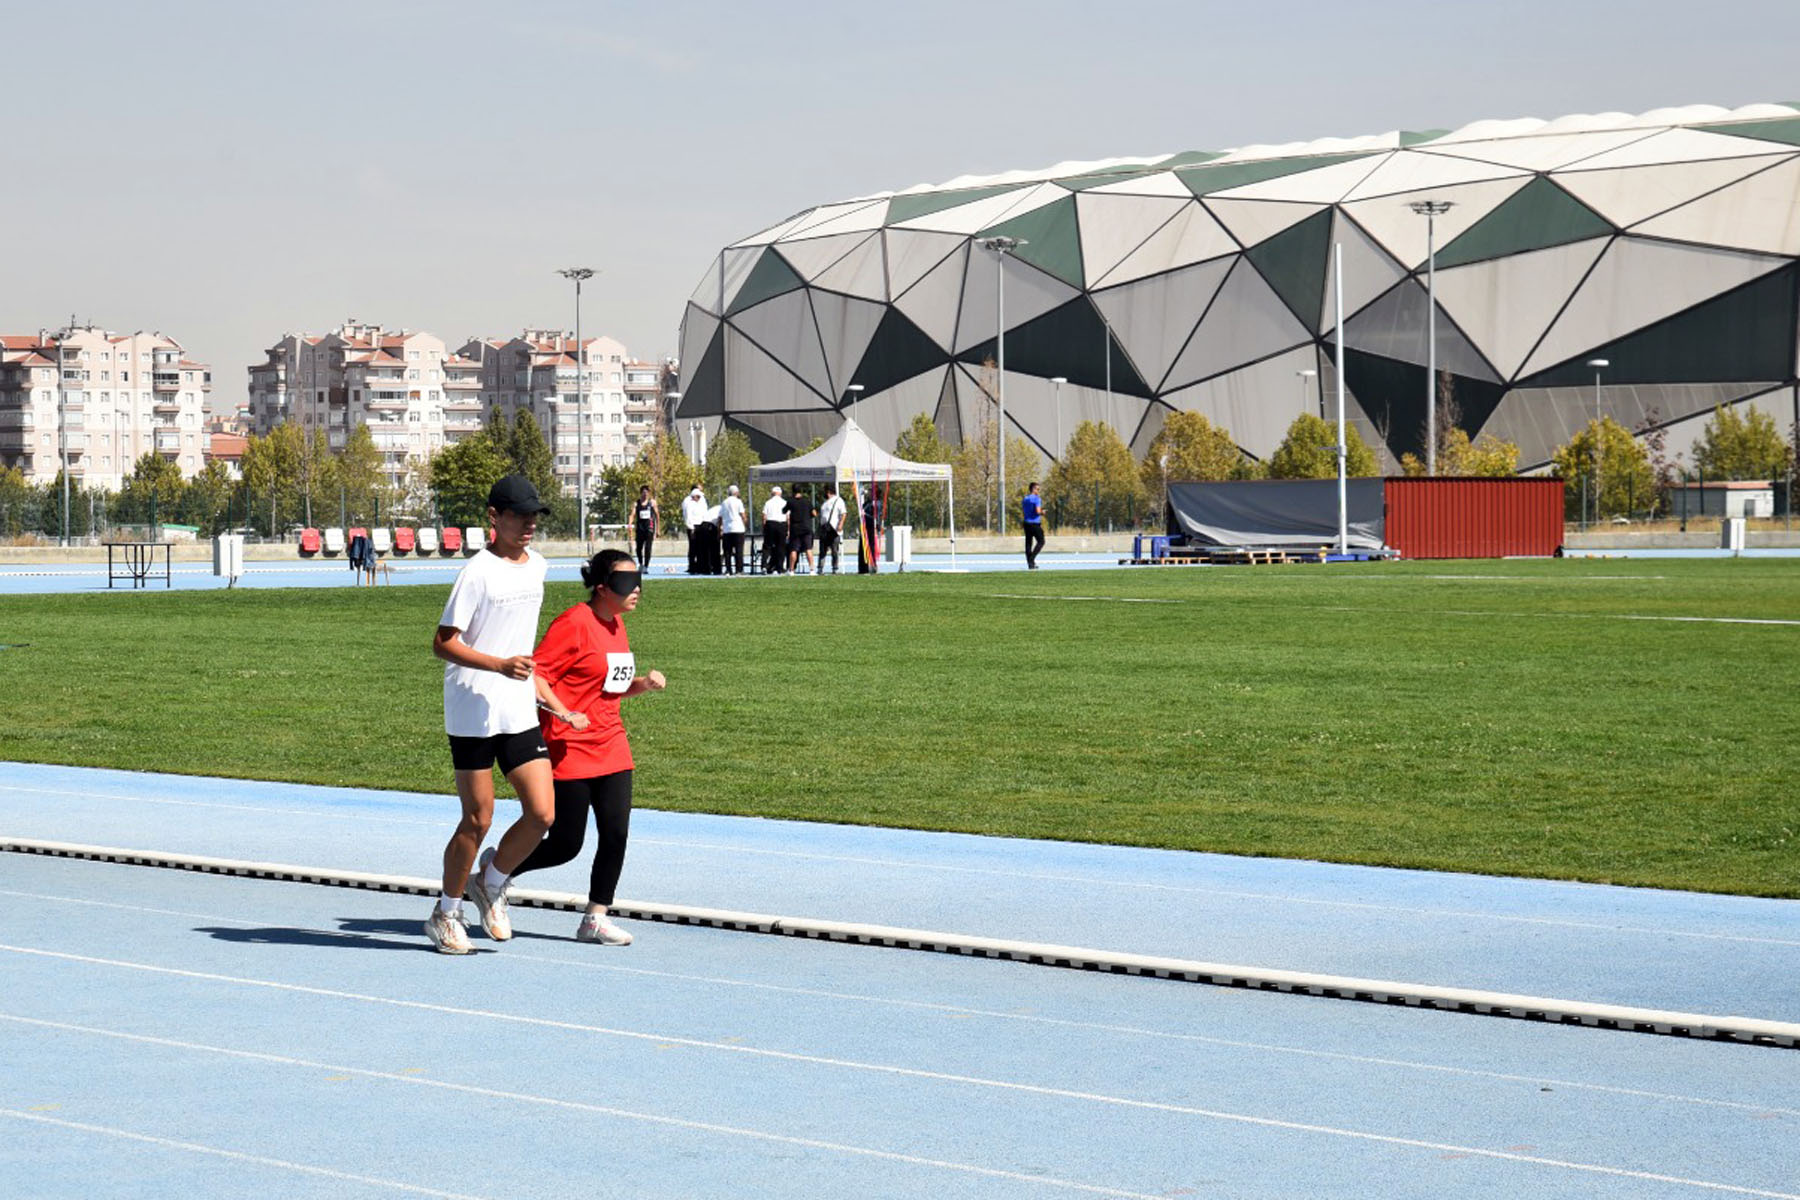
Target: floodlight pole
[
  {"x": 62, "y": 433},
  {"x": 1001, "y": 247},
  {"x": 1599, "y": 365},
  {"x": 856, "y": 391},
  {"x": 579, "y": 274},
  {"x": 1343, "y": 459},
  {"x": 1431, "y": 210},
  {"x": 1304, "y": 376},
  {"x": 1058, "y": 381}
]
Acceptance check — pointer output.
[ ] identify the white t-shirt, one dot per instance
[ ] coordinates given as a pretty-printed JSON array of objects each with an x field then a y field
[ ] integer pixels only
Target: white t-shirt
[
  {"x": 494, "y": 603},
  {"x": 693, "y": 510},
  {"x": 731, "y": 515},
  {"x": 775, "y": 510},
  {"x": 831, "y": 513}
]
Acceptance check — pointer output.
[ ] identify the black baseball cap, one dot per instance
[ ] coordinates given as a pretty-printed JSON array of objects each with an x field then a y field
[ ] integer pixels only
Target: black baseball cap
[{"x": 514, "y": 493}]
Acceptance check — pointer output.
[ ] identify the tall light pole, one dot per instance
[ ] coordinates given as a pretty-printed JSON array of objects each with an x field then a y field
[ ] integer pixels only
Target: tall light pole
[
  {"x": 62, "y": 433},
  {"x": 1001, "y": 247},
  {"x": 1599, "y": 365},
  {"x": 1305, "y": 378},
  {"x": 580, "y": 275},
  {"x": 856, "y": 391},
  {"x": 1431, "y": 210},
  {"x": 1059, "y": 380}
]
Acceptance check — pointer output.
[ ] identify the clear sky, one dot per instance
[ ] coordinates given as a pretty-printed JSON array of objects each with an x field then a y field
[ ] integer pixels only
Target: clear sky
[{"x": 229, "y": 172}]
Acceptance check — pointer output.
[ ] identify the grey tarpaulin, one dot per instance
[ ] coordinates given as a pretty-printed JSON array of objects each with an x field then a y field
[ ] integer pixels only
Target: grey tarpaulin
[{"x": 1277, "y": 512}]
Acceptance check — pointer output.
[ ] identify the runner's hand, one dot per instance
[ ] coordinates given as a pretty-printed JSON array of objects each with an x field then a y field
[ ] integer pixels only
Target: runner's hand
[
  {"x": 655, "y": 681},
  {"x": 576, "y": 720},
  {"x": 517, "y": 667}
]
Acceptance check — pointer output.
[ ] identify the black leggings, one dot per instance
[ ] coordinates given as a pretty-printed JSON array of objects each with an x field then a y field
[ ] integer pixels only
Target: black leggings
[
  {"x": 644, "y": 540},
  {"x": 610, "y": 798}
]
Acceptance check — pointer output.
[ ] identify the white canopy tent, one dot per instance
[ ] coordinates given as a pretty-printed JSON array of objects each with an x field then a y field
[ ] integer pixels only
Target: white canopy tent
[{"x": 850, "y": 457}]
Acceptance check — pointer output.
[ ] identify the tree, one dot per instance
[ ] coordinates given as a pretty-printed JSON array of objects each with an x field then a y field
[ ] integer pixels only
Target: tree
[
  {"x": 920, "y": 503},
  {"x": 270, "y": 466},
  {"x": 460, "y": 476},
  {"x": 361, "y": 484},
  {"x": 1627, "y": 483},
  {"x": 206, "y": 502},
  {"x": 1190, "y": 448},
  {"x": 19, "y": 503},
  {"x": 1740, "y": 444},
  {"x": 976, "y": 469},
  {"x": 1486, "y": 457},
  {"x": 152, "y": 492},
  {"x": 1310, "y": 452},
  {"x": 1096, "y": 480},
  {"x": 728, "y": 461},
  {"x": 662, "y": 465}
]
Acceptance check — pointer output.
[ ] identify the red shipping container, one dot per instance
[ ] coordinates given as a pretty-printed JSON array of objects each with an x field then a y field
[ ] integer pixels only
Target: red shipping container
[{"x": 1473, "y": 518}]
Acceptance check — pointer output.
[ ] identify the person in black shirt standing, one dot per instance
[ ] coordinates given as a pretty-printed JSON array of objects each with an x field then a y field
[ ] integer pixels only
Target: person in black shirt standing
[
  {"x": 868, "y": 555},
  {"x": 644, "y": 526},
  {"x": 800, "y": 531}
]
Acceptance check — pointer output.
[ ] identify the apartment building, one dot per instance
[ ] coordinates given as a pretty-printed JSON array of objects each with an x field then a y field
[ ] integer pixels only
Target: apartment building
[
  {"x": 415, "y": 396},
  {"x": 103, "y": 398},
  {"x": 537, "y": 371}
]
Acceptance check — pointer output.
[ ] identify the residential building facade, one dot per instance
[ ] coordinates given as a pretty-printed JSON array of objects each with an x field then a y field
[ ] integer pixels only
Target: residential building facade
[
  {"x": 101, "y": 398},
  {"x": 537, "y": 371}
]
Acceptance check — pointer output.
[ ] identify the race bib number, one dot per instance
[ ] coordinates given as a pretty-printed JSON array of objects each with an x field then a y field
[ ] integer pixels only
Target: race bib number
[{"x": 621, "y": 669}]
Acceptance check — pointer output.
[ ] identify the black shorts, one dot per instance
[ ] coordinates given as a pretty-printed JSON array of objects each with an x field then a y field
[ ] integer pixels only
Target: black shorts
[
  {"x": 800, "y": 543},
  {"x": 511, "y": 750}
]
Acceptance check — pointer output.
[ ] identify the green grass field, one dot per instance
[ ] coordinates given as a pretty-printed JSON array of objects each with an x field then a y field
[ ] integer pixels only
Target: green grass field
[{"x": 1506, "y": 718}]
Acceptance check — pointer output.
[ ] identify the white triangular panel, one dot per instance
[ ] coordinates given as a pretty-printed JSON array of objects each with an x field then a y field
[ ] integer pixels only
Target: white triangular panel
[
  {"x": 1321, "y": 185},
  {"x": 1149, "y": 425},
  {"x": 1253, "y": 221},
  {"x": 911, "y": 254},
  {"x": 813, "y": 255},
  {"x": 734, "y": 267},
  {"x": 969, "y": 218},
  {"x": 754, "y": 382},
  {"x": 1639, "y": 282},
  {"x": 1390, "y": 221},
  {"x": 1544, "y": 153},
  {"x": 1255, "y": 405},
  {"x": 1395, "y": 327},
  {"x": 1540, "y": 420},
  {"x": 1633, "y": 194},
  {"x": 855, "y": 216},
  {"x": 1247, "y": 321},
  {"x": 885, "y": 415},
  {"x": 934, "y": 302},
  {"x": 1406, "y": 171},
  {"x": 859, "y": 273},
  {"x": 1368, "y": 271},
  {"x": 1030, "y": 293},
  {"x": 1164, "y": 183},
  {"x": 1505, "y": 304},
  {"x": 1049, "y": 416},
  {"x": 697, "y": 329},
  {"x": 1676, "y": 146},
  {"x": 1153, "y": 318},
  {"x": 706, "y": 292},
  {"x": 1761, "y": 213},
  {"x": 784, "y": 328},
  {"x": 1113, "y": 226},
  {"x": 1193, "y": 236},
  {"x": 774, "y": 231},
  {"x": 845, "y": 327}
]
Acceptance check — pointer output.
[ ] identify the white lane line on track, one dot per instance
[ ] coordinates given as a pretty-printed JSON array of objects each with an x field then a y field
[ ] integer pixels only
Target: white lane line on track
[
  {"x": 1102, "y": 599},
  {"x": 595, "y": 1109},
  {"x": 1038, "y": 876},
  {"x": 234, "y": 1155},
  {"x": 910, "y": 1073},
  {"x": 589, "y": 964}
]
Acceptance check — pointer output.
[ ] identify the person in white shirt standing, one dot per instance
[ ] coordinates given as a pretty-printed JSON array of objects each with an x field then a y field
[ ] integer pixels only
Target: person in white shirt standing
[
  {"x": 491, "y": 698},
  {"x": 774, "y": 532},
  {"x": 831, "y": 528},
  {"x": 693, "y": 514},
  {"x": 731, "y": 531}
]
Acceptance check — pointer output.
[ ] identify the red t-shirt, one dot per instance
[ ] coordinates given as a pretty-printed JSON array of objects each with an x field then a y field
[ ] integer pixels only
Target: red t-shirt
[{"x": 589, "y": 666}]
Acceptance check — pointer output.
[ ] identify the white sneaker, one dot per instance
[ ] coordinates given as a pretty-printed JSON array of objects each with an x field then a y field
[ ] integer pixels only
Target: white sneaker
[
  {"x": 447, "y": 933},
  {"x": 597, "y": 927},
  {"x": 494, "y": 917}
]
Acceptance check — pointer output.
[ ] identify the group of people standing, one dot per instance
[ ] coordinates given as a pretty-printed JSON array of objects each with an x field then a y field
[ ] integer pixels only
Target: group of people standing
[{"x": 791, "y": 525}]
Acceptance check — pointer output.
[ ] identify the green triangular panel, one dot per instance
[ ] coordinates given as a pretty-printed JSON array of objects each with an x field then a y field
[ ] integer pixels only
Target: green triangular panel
[
  {"x": 1070, "y": 340},
  {"x": 1414, "y": 137},
  {"x": 898, "y": 351},
  {"x": 1294, "y": 260},
  {"x": 1782, "y": 129},
  {"x": 1203, "y": 181},
  {"x": 771, "y": 276},
  {"x": 908, "y": 208},
  {"x": 1094, "y": 179},
  {"x": 1536, "y": 217},
  {"x": 1189, "y": 158},
  {"x": 1052, "y": 237},
  {"x": 1746, "y": 334}
]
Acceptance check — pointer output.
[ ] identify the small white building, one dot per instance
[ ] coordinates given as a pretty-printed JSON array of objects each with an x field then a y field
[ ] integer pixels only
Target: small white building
[{"x": 1723, "y": 498}]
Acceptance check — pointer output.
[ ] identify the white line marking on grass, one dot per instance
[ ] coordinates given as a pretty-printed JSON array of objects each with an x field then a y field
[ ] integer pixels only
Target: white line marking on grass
[
  {"x": 580, "y": 1106},
  {"x": 588, "y": 963},
  {"x": 234, "y": 1155},
  {"x": 1102, "y": 599},
  {"x": 974, "y": 1081},
  {"x": 1461, "y": 612}
]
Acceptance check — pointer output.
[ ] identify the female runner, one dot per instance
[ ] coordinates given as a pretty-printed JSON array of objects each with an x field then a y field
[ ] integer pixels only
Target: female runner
[{"x": 587, "y": 661}]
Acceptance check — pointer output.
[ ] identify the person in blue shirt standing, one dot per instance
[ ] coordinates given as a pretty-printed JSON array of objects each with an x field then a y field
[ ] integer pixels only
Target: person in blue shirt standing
[{"x": 1034, "y": 525}]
